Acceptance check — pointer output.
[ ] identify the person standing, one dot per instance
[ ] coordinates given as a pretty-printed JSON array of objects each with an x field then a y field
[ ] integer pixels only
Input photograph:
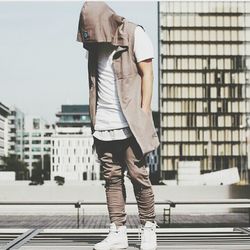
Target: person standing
[{"x": 120, "y": 72}]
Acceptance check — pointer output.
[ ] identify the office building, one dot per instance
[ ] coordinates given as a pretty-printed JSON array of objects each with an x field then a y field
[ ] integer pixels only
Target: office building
[
  {"x": 36, "y": 140},
  {"x": 152, "y": 159},
  {"x": 4, "y": 131},
  {"x": 16, "y": 132},
  {"x": 204, "y": 84},
  {"x": 72, "y": 154}
]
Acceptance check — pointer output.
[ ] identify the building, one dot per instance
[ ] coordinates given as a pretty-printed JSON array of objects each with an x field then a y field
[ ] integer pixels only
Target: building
[
  {"x": 152, "y": 159},
  {"x": 204, "y": 84},
  {"x": 4, "y": 129},
  {"x": 75, "y": 116},
  {"x": 26, "y": 136},
  {"x": 36, "y": 140},
  {"x": 73, "y": 156},
  {"x": 16, "y": 132}
]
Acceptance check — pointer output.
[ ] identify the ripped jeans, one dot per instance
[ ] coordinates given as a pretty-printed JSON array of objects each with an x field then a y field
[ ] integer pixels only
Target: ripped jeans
[{"x": 115, "y": 157}]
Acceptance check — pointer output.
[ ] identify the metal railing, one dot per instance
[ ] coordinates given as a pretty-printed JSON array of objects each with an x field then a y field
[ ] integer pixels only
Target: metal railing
[
  {"x": 240, "y": 203},
  {"x": 76, "y": 204}
]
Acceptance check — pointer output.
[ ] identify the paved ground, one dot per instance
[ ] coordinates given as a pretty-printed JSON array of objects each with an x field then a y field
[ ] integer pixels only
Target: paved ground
[
  {"x": 227, "y": 238},
  {"x": 102, "y": 221}
]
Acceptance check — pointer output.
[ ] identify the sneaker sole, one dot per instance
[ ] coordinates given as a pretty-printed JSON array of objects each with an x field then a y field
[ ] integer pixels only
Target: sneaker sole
[
  {"x": 117, "y": 248},
  {"x": 149, "y": 248},
  {"x": 113, "y": 248}
]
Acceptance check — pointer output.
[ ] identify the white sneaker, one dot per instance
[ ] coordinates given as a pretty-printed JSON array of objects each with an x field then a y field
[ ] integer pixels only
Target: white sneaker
[
  {"x": 148, "y": 236},
  {"x": 116, "y": 239}
]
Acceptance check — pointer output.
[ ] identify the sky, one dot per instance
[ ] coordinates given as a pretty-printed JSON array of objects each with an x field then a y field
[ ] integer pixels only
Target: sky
[{"x": 42, "y": 66}]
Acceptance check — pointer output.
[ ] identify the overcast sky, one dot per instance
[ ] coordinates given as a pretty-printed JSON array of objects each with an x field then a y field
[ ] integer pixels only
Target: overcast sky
[{"x": 41, "y": 64}]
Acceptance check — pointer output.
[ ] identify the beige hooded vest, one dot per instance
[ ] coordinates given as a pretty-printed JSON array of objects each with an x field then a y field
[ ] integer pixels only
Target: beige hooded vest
[{"x": 99, "y": 23}]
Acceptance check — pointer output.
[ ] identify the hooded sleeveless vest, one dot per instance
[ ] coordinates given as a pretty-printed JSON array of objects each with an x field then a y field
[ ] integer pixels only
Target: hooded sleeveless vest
[{"x": 99, "y": 23}]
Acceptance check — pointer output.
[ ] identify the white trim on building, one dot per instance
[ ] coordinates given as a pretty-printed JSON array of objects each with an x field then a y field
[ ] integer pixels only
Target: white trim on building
[{"x": 72, "y": 156}]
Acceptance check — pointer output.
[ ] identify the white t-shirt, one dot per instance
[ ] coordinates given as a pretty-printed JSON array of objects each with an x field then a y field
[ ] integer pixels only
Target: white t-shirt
[{"x": 109, "y": 114}]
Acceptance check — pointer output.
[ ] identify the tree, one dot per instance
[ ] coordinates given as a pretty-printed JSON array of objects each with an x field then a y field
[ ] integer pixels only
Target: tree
[
  {"x": 41, "y": 170},
  {"x": 13, "y": 163},
  {"x": 46, "y": 166}
]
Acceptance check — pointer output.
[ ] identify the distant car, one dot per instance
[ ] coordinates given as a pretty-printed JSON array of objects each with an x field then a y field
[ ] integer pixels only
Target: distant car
[
  {"x": 33, "y": 183},
  {"x": 59, "y": 180}
]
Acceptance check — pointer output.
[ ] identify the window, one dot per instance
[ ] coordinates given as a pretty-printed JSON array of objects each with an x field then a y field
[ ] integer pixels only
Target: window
[
  {"x": 36, "y": 123},
  {"x": 214, "y": 120},
  {"x": 235, "y": 120},
  {"x": 218, "y": 92},
  {"x": 46, "y": 149},
  {"x": 36, "y": 142},
  {"x": 219, "y": 78},
  {"x": 76, "y": 118},
  {"x": 36, "y": 134},
  {"x": 36, "y": 149},
  {"x": 19, "y": 122},
  {"x": 191, "y": 121},
  {"x": 84, "y": 176},
  {"x": 37, "y": 157}
]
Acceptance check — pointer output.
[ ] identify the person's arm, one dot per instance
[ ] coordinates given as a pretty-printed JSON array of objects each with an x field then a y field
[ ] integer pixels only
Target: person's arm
[
  {"x": 147, "y": 77},
  {"x": 144, "y": 53}
]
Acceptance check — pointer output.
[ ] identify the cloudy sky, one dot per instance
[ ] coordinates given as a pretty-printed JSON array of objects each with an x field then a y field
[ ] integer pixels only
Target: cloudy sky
[{"x": 41, "y": 64}]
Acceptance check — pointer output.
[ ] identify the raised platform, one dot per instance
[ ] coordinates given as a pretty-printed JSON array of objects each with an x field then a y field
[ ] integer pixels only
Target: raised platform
[
  {"x": 102, "y": 221},
  {"x": 168, "y": 238}
]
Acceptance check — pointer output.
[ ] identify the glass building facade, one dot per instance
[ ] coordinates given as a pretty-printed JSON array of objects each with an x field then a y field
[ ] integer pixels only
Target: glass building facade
[
  {"x": 73, "y": 116},
  {"x": 204, "y": 90}
]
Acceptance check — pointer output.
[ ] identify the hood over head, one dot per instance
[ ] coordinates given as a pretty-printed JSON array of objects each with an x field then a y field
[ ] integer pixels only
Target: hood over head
[{"x": 99, "y": 23}]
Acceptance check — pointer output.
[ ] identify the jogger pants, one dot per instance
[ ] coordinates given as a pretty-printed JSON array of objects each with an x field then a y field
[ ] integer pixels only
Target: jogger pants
[{"x": 115, "y": 157}]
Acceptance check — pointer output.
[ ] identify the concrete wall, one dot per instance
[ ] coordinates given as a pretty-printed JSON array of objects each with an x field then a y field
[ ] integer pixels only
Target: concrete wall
[
  {"x": 7, "y": 176},
  {"x": 20, "y": 191}
]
